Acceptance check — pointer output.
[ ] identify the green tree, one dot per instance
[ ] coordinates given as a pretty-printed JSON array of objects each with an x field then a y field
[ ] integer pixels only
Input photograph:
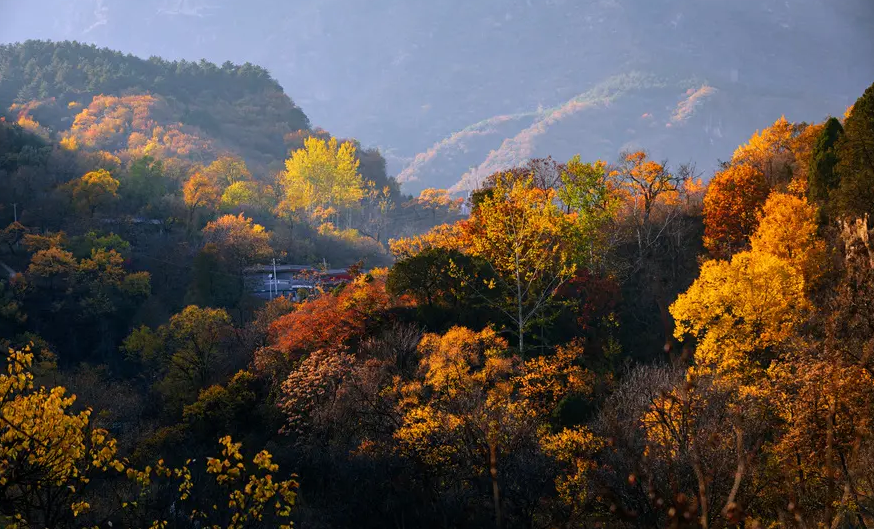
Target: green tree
[
  {"x": 431, "y": 278},
  {"x": 822, "y": 179},
  {"x": 246, "y": 195},
  {"x": 212, "y": 283},
  {"x": 854, "y": 196},
  {"x": 144, "y": 183},
  {"x": 228, "y": 170},
  {"x": 188, "y": 353}
]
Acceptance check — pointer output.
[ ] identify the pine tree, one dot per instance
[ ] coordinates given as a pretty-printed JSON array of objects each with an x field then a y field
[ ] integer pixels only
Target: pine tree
[
  {"x": 855, "y": 151},
  {"x": 822, "y": 178}
]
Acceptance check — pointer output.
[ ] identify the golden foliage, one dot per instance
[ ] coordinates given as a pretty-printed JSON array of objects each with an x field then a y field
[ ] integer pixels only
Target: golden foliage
[
  {"x": 321, "y": 174},
  {"x": 770, "y": 151},
  {"x": 93, "y": 190},
  {"x": 446, "y": 236},
  {"x": 573, "y": 449},
  {"x": 788, "y": 230},
  {"x": 200, "y": 191},
  {"x": 46, "y": 448},
  {"x": 739, "y": 311},
  {"x": 241, "y": 241}
]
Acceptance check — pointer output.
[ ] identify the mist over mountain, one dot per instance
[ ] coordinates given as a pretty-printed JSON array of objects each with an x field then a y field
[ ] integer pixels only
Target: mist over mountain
[{"x": 451, "y": 90}]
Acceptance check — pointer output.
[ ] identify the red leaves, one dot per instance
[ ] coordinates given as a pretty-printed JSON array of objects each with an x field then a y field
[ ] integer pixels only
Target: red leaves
[
  {"x": 328, "y": 321},
  {"x": 733, "y": 200}
]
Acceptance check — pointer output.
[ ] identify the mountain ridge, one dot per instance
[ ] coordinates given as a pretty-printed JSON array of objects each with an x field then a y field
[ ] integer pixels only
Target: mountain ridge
[{"x": 437, "y": 69}]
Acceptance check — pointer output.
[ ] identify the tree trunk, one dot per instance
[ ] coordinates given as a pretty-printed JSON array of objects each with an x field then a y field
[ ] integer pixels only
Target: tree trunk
[
  {"x": 829, "y": 450},
  {"x": 493, "y": 472}
]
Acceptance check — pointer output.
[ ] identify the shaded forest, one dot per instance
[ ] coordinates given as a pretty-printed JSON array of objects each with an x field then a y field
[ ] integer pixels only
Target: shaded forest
[{"x": 624, "y": 343}]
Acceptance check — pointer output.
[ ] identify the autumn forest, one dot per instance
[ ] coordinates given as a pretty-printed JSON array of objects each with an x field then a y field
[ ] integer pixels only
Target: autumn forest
[{"x": 622, "y": 343}]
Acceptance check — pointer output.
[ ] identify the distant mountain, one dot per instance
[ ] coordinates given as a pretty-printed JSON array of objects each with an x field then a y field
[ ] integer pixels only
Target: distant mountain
[{"x": 439, "y": 85}]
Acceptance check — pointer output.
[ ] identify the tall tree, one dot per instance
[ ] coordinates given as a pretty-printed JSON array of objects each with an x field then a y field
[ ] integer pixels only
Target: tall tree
[
  {"x": 855, "y": 151},
  {"x": 821, "y": 178},
  {"x": 200, "y": 191},
  {"x": 240, "y": 242},
  {"x": 788, "y": 229},
  {"x": 530, "y": 244},
  {"x": 731, "y": 206},
  {"x": 227, "y": 170},
  {"x": 321, "y": 175},
  {"x": 771, "y": 152},
  {"x": 739, "y": 312}
]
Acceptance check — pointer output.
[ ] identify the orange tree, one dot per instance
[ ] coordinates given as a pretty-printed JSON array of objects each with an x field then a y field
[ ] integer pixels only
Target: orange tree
[
  {"x": 731, "y": 206},
  {"x": 325, "y": 322},
  {"x": 200, "y": 191}
]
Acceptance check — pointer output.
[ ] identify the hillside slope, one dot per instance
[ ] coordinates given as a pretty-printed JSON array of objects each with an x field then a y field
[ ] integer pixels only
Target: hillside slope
[{"x": 110, "y": 101}]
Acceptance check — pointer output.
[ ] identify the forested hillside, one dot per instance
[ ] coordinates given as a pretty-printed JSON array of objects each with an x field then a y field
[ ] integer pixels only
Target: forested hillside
[
  {"x": 234, "y": 107},
  {"x": 587, "y": 343}
]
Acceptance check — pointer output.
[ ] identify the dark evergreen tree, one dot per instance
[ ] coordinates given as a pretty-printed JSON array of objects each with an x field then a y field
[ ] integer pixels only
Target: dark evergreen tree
[
  {"x": 822, "y": 178},
  {"x": 855, "y": 169}
]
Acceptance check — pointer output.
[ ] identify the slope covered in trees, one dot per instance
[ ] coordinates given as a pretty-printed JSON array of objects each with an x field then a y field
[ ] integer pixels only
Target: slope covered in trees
[
  {"x": 239, "y": 106},
  {"x": 579, "y": 344}
]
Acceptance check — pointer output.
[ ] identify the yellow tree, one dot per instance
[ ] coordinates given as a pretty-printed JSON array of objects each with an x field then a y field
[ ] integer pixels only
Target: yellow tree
[
  {"x": 788, "y": 229},
  {"x": 444, "y": 236},
  {"x": 52, "y": 267},
  {"x": 246, "y": 194},
  {"x": 321, "y": 175},
  {"x": 93, "y": 190},
  {"x": 463, "y": 405},
  {"x": 200, "y": 191},
  {"x": 51, "y": 457},
  {"x": 530, "y": 244},
  {"x": 477, "y": 403},
  {"x": 740, "y": 312},
  {"x": 771, "y": 151},
  {"x": 48, "y": 452}
]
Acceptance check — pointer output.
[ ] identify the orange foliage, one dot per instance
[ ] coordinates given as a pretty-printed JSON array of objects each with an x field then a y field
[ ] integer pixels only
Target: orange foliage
[
  {"x": 644, "y": 182},
  {"x": 328, "y": 321},
  {"x": 770, "y": 151},
  {"x": 445, "y": 236},
  {"x": 201, "y": 191},
  {"x": 802, "y": 146},
  {"x": 140, "y": 123},
  {"x": 731, "y": 206},
  {"x": 109, "y": 120}
]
